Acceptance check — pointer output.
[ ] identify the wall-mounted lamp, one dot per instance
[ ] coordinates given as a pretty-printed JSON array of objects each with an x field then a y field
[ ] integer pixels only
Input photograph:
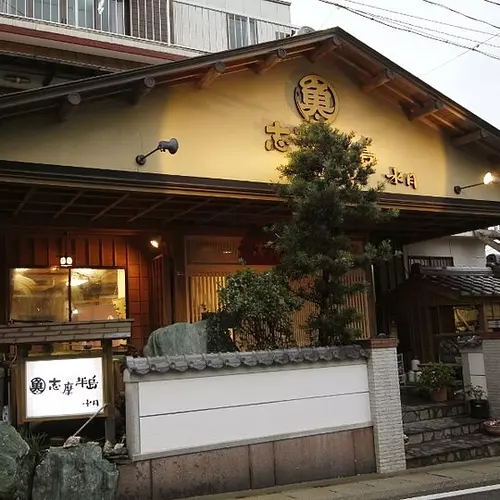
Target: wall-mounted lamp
[
  {"x": 65, "y": 261},
  {"x": 488, "y": 178},
  {"x": 155, "y": 243},
  {"x": 172, "y": 146}
]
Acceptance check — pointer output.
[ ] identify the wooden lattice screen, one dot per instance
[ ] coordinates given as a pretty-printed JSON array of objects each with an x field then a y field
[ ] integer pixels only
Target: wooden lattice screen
[{"x": 204, "y": 281}]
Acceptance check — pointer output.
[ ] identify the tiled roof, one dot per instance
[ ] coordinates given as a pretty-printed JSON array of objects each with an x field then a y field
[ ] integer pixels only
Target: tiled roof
[
  {"x": 41, "y": 333},
  {"x": 468, "y": 282},
  {"x": 142, "y": 366}
]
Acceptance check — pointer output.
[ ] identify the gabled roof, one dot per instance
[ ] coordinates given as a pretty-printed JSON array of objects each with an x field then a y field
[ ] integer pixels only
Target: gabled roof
[
  {"x": 367, "y": 68},
  {"x": 467, "y": 282}
]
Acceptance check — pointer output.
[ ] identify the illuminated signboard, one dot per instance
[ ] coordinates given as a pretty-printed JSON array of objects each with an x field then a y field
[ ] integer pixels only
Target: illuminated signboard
[{"x": 64, "y": 387}]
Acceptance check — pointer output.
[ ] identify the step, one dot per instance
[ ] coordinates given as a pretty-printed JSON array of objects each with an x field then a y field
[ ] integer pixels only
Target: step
[
  {"x": 452, "y": 449},
  {"x": 424, "y": 431},
  {"x": 430, "y": 411}
]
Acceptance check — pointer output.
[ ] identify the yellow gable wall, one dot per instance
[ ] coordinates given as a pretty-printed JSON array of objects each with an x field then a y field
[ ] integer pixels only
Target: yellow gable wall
[{"x": 221, "y": 132}]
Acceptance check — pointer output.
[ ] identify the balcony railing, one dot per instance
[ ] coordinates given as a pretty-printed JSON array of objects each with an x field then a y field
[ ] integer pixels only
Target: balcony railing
[{"x": 173, "y": 22}]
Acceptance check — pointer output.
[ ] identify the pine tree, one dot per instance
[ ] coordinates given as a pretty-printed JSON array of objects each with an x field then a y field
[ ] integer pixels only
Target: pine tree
[{"x": 326, "y": 188}]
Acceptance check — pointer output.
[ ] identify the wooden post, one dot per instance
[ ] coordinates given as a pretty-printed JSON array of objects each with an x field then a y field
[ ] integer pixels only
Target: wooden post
[{"x": 110, "y": 424}]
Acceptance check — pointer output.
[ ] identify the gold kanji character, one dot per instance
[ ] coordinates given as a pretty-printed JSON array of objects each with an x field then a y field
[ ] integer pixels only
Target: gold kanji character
[
  {"x": 316, "y": 99},
  {"x": 367, "y": 157},
  {"x": 411, "y": 180},
  {"x": 280, "y": 137},
  {"x": 395, "y": 177}
]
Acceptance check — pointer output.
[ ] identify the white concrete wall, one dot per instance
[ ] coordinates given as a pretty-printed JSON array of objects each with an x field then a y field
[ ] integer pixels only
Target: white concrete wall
[
  {"x": 203, "y": 24},
  {"x": 177, "y": 413},
  {"x": 466, "y": 251},
  {"x": 269, "y": 10},
  {"x": 476, "y": 371}
]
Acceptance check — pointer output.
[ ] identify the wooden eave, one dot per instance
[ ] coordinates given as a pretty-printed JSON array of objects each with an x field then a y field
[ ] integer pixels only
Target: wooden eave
[
  {"x": 55, "y": 196},
  {"x": 361, "y": 63}
]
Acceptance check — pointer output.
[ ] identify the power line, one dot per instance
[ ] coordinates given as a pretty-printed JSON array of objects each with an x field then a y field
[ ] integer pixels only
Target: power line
[
  {"x": 437, "y": 4},
  {"x": 446, "y": 33},
  {"x": 408, "y": 30},
  {"x": 493, "y": 2},
  {"x": 426, "y": 28},
  {"x": 445, "y": 63},
  {"x": 435, "y": 21}
]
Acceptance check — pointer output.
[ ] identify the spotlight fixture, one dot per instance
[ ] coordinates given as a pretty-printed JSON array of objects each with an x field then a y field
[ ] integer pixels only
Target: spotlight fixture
[
  {"x": 488, "y": 178},
  {"x": 155, "y": 243},
  {"x": 172, "y": 146}
]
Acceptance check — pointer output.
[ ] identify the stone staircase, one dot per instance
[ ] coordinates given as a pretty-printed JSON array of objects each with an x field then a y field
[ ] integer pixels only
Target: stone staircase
[{"x": 445, "y": 432}]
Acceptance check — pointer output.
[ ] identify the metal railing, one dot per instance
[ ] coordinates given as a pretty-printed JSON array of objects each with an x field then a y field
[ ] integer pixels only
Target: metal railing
[{"x": 173, "y": 22}]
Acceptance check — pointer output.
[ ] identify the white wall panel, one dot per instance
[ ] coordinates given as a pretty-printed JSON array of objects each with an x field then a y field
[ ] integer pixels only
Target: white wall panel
[
  {"x": 476, "y": 363},
  {"x": 267, "y": 386},
  {"x": 184, "y": 431}
]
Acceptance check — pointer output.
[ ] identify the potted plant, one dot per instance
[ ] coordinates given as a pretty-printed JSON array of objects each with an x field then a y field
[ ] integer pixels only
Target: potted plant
[
  {"x": 436, "y": 378},
  {"x": 479, "y": 405},
  {"x": 492, "y": 427}
]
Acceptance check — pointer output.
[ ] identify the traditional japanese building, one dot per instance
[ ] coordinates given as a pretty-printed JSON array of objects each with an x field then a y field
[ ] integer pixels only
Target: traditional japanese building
[{"x": 92, "y": 228}]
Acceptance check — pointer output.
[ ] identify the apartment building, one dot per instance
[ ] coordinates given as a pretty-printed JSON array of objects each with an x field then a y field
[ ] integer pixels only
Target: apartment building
[{"x": 45, "y": 42}]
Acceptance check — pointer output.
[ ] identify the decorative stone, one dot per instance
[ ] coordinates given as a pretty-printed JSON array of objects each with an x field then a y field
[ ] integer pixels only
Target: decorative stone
[
  {"x": 178, "y": 339},
  {"x": 77, "y": 473},
  {"x": 16, "y": 465}
]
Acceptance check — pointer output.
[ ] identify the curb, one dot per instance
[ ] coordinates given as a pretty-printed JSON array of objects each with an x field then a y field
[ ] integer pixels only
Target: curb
[{"x": 488, "y": 479}]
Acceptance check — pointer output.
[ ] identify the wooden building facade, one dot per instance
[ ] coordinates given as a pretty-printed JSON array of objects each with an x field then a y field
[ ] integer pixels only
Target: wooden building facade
[{"x": 70, "y": 184}]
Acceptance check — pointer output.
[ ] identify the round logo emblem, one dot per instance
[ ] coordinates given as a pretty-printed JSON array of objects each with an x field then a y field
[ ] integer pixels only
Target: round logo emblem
[{"x": 316, "y": 99}]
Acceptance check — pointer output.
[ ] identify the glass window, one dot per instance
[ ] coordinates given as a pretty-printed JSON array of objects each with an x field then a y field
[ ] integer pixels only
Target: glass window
[
  {"x": 431, "y": 261},
  {"x": 39, "y": 295},
  {"x": 46, "y": 295},
  {"x": 242, "y": 31},
  {"x": 97, "y": 294}
]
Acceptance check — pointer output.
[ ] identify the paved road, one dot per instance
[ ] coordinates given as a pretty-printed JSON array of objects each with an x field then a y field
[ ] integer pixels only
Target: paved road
[
  {"x": 492, "y": 495},
  {"x": 482, "y": 493}
]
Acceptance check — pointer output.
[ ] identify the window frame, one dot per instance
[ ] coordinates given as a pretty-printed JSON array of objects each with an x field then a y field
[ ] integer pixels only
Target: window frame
[
  {"x": 69, "y": 269},
  {"x": 250, "y": 28},
  {"x": 431, "y": 261}
]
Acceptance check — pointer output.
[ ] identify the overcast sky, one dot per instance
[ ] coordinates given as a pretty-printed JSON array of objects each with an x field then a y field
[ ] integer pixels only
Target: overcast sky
[{"x": 472, "y": 79}]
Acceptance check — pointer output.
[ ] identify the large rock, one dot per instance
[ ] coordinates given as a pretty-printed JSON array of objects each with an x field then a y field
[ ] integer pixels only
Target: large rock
[
  {"x": 178, "y": 339},
  {"x": 77, "y": 473},
  {"x": 16, "y": 465}
]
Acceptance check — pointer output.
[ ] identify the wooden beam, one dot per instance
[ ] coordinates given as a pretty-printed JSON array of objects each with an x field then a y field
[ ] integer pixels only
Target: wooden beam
[
  {"x": 212, "y": 74},
  {"x": 25, "y": 200},
  {"x": 425, "y": 110},
  {"x": 109, "y": 207},
  {"x": 325, "y": 48},
  {"x": 67, "y": 205},
  {"x": 149, "y": 209},
  {"x": 68, "y": 106},
  {"x": 187, "y": 211},
  {"x": 141, "y": 89},
  {"x": 225, "y": 212},
  {"x": 270, "y": 61},
  {"x": 385, "y": 76},
  {"x": 477, "y": 135}
]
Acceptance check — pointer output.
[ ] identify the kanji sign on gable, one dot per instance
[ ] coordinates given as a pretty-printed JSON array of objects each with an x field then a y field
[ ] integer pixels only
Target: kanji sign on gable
[
  {"x": 63, "y": 387},
  {"x": 316, "y": 99}
]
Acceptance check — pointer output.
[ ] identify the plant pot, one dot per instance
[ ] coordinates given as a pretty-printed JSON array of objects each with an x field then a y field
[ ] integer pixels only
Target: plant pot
[
  {"x": 440, "y": 395},
  {"x": 492, "y": 427},
  {"x": 479, "y": 408}
]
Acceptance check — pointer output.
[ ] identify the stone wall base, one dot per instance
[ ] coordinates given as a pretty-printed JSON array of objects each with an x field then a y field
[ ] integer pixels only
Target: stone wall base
[{"x": 297, "y": 460}]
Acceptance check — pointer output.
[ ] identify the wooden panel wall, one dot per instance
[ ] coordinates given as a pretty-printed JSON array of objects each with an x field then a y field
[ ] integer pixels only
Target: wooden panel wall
[{"x": 90, "y": 251}]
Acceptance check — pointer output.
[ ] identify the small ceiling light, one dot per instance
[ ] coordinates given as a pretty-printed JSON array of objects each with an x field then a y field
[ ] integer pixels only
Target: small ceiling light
[
  {"x": 65, "y": 261},
  {"x": 488, "y": 178},
  {"x": 17, "y": 79},
  {"x": 172, "y": 146},
  {"x": 155, "y": 243}
]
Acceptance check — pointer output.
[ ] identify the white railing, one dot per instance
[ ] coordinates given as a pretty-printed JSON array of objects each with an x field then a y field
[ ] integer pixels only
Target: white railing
[
  {"x": 173, "y": 22},
  {"x": 214, "y": 30}
]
